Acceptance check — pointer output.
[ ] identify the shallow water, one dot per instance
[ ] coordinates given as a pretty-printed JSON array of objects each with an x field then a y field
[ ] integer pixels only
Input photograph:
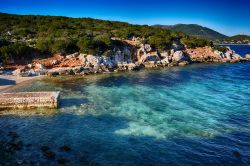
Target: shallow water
[{"x": 194, "y": 115}]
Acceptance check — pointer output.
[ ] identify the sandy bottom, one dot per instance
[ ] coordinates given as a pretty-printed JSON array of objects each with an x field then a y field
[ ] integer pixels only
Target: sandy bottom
[{"x": 8, "y": 81}]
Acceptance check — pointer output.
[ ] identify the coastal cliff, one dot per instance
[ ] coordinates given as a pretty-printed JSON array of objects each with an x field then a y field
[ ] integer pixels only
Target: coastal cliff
[{"x": 133, "y": 55}]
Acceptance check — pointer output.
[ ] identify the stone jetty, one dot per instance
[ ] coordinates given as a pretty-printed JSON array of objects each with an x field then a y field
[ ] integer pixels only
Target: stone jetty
[{"x": 29, "y": 100}]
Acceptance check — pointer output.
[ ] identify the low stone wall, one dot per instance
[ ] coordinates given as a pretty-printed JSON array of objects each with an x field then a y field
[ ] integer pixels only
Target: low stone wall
[{"x": 29, "y": 100}]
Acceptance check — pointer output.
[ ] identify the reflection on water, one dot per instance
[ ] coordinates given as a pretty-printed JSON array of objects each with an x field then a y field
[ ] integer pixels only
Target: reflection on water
[{"x": 155, "y": 117}]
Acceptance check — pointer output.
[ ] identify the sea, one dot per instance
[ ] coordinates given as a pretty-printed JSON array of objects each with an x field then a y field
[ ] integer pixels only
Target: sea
[{"x": 193, "y": 115}]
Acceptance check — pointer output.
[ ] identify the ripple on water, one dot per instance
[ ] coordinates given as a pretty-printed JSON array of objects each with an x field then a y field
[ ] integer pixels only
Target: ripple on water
[{"x": 200, "y": 110}]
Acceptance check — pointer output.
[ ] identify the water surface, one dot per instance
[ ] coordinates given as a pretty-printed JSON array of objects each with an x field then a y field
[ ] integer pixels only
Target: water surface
[{"x": 194, "y": 115}]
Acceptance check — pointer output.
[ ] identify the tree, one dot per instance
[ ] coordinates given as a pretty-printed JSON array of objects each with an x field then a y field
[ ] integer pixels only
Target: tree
[
  {"x": 16, "y": 51},
  {"x": 160, "y": 43},
  {"x": 85, "y": 45}
]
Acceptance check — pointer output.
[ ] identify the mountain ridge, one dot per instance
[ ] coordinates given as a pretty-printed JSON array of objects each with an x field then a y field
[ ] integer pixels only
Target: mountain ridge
[{"x": 195, "y": 30}]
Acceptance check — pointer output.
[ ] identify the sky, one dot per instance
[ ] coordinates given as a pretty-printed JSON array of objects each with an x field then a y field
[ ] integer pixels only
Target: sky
[{"x": 229, "y": 17}]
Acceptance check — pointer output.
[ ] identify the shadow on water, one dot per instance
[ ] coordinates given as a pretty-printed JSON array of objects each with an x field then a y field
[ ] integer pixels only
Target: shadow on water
[
  {"x": 72, "y": 102},
  {"x": 94, "y": 142},
  {"x": 4, "y": 82}
]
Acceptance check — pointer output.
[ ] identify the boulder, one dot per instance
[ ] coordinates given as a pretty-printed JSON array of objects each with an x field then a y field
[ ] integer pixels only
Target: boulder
[
  {"x": 172, "y": 52},
  {"x": 39, "y": 66},
  {"x": 16, "y": 72},
  {"x": 108, "y": 63},
  {"x": 71, "y": 72},
  {"x": 54, "y": 62},
  {"x": 29, "y": 73},
  {"x": 132, "y": 66},
  {"x": 236, "y": 56},
  {"x": 179, "y": 56},
  {"x": 247, "y": 56},
  {"x": 1, "y": 66},
  {"x": 147, "y": 48},
  {"x": 122, "y": 56},
  {"x": 119, "y": 57},
  {"x": 228, "y": 55},
  {"x": 165, "y": 61},
  {"x": 93, "y": 61},
  {"x": 85, "y": 71},
  {"x": 74, "y": 55},
  {"x": 82, "y": 57},
  {"x": 53, "y": 73},
  {"x": 219, "y": 54},
  {"x": 29, "y": 66},
  {"x": 149, "y": 58},
  {"x": 144, "y": 49}
]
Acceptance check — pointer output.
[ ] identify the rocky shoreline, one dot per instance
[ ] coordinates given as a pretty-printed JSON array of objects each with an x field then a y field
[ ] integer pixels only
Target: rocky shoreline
[{"x": 130, "y": 56}]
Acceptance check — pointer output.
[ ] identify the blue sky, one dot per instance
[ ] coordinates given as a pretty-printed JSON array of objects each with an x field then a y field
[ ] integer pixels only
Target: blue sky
[{"x": 226, "y": 16}]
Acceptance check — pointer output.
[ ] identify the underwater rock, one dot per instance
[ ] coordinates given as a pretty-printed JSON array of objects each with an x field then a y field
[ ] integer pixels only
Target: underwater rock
[
  {"x": 62, "y": 161},
  {"x": 13, "y": 134},
  {"x": 237, "y": 154},
  {"x": 49, "y": 154},
  {"x": 65, "y": 148},
  {"x": 45, "y": 148}
]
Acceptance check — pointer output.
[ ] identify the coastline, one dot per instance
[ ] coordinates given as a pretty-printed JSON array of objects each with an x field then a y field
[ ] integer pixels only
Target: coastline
[{"x": 232, "y": 44}]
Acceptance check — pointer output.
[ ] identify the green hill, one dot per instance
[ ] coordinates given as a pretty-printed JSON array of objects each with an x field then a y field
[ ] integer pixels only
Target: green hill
[
  {"x": 237, "y": 39},
  {"x": 195, "y": 30},
  {"x": 22, "y": 34}
]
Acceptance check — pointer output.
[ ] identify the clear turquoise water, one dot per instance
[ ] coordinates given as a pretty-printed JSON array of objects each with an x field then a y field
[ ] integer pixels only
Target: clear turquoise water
[{"x": 194, "y": 115}]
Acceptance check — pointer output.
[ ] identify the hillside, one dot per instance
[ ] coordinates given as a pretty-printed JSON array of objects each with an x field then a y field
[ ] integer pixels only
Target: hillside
[
  {"x": 194, "y": 30},
  {"x": 237, "y": 39},
  {"x": 22, "y": 35}
]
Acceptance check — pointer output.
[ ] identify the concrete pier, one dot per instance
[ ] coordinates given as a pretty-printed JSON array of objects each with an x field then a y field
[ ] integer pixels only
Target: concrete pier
[{"x": 29, "y": 100}]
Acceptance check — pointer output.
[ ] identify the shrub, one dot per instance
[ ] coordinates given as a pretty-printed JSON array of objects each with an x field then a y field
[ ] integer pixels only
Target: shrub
[
  {"x": 220, "y": 48},
  {"x": 16, "y": 51}
]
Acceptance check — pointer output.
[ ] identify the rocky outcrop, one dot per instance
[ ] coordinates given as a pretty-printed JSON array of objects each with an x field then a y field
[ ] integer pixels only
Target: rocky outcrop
[
  {"x": 149, "y": 58},
  {"x": 179, "y": 56},
  {"x": 125, "y": 57},
  {"x": 207, "y": 54},
  {"x": 16, "y": 72},
  {"x": 122, "y": 55},
  {"x": 144, "y": 49}
]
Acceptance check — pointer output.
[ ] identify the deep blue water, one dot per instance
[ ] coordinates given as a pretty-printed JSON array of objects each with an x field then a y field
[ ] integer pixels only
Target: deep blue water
[
  {"x": 240, "y": 49},
  {"x": 194, "y": 115}
]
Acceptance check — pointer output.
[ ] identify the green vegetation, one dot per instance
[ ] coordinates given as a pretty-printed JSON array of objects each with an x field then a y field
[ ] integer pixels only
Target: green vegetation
[
  {"x": 220, "y": 48},
  {"x": 195, "y": 30},
  {"x": 193, "y": 42},
  {"x": 16, "y": 51},
  {"x": 50, "y": 34}
]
